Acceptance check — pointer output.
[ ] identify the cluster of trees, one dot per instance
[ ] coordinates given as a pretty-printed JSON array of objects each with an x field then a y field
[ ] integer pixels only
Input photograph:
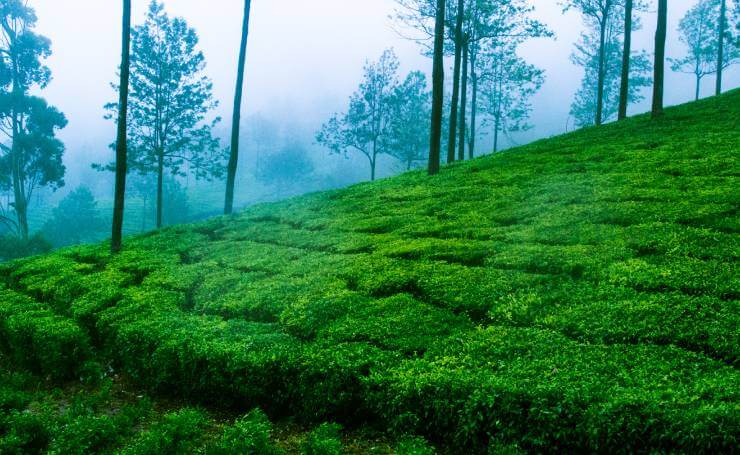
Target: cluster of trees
[
  {"x": 708, "y": 55},
  {"x": 390, "y": 117},
  {"x": 385, "y": 116},
  {"x": 165, "y": 105}
]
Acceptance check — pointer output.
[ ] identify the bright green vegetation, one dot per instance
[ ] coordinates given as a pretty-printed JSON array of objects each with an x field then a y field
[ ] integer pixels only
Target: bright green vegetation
[{"x": 580, "y": 293}]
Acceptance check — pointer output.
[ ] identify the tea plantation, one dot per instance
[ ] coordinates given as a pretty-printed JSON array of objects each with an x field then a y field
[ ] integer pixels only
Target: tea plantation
[{"x": 577, "y": 294}]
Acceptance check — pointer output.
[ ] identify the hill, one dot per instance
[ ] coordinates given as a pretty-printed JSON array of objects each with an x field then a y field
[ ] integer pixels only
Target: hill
[{"x": 578, "y": 293}]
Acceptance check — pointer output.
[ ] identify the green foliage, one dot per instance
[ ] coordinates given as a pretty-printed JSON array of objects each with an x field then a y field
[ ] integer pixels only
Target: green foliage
[
  {"x": 178, "y": 432},
  {"x": 75, "y": 220},
  {"x": 323, "y": 440},
  {"x": 248, "y": 435},
  {"x": 577, "y": 294},
  {"x": 14, "y": 247}
]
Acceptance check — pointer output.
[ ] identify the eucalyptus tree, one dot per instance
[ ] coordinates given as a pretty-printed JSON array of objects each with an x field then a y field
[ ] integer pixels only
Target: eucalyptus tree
[
  {"x": 30, "y": 153},
  {"x": 438, "y": 81},
  {"x": 659, "y": 65},
  {"x": 721, "y": 44},
  {"x": 168, "y": 104},
  {"x": 508, "y": 83},
  {"x": 597, "y": 15},
  {"x": 492, "y": 24},
  {"x": 587, "y": 56},
  {"x": 119, "y": 198},
  {"x": 236, "y": 119},
  {"x": 365, "y": 127},
  {"x": 484, "y": 23},
  {"x": 409, "y": 127},
  {"x": 697, "y": 30},
  {"x": 626, "y": 54}
]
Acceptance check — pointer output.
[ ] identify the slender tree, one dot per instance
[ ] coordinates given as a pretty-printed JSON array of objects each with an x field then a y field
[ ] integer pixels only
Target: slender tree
[
  {"x": 33, "y": 157},
  {"x": 660, "y": 38},
  {"x": 721, "y": 44},
  {"x": 438, "y": 79},
  {"x": 121, "y": 139},
  {"x": 365, "y": 127},
  {"x": 508, "y": 84},
  {"x": 586, "y": 55},
  {"x": 409, "y": 130},
  {"x": 458, "y": 41},
  {"x": 697, "y": 30},
  {"x": 463, "y": 98},
  {"x": 168, "y": 103},
  {"x": 626, "y": 54},
  {"x": 236, "y": 119},
  {"x": 597, "y": 14}
]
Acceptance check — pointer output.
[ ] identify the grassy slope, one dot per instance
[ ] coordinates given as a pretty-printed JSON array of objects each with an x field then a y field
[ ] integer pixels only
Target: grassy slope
[{"x": 580, "y": 291}]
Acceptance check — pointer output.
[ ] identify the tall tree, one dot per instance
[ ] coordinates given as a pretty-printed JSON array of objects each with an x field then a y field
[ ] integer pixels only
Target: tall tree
[
  {"x": 31, "y": 156},
  {"x": 626, "y": 55},
  {"x": 660, "y": 38},
  {"x": 586, "y": 55},
  {"x": 458, "y": 42},
  {"x": 464, "y": 97},
  {"x": 438, "y": 80},
  {"x": 697, "y": 30},
  {"x": 485, "y": 22},
  {"x": 597, "y": 14},
  {"x": 121, "y": 140},
  {"x": 236, "y": 119},
  {"x": 488, "y": 24},
  {"x": 169, "y": 100},
  {"x": 508, "y": 84},
  {"x": 409, "y": 130},
  {"x": 365, "y": 126},
  {"x": 721, "y": 44}
]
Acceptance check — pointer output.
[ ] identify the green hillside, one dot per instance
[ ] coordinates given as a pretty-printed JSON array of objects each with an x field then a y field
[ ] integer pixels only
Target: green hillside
[{"x": 578, "y": 293}]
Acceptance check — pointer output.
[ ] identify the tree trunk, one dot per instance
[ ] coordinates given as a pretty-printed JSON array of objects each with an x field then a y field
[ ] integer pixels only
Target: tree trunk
[
  {"x": 495, "y": 134},
  {"x": 600, "y": 81},
  {"x": 438, "y": 81},
  {"x": 20, "y": 202},
  {"x": 464, "y": 99},
  {"x": 721, "y": 45},
  {"x": 160, "y": 187},
  {"x": 626, "y": 54},
  {"x": 236, "y": 119},
  {"x": 698, "y": 87},
  {"x": 660, "y": 38},
  {"x": 121, "y": 145},
  {"x": 456, "y": 82},
  {"x": 372, "y": 168},
  {"x": 474, "y": 105}
]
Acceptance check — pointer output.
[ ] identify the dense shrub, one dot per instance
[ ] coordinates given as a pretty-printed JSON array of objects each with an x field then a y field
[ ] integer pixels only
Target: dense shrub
[{"x": 323, "y": 440}]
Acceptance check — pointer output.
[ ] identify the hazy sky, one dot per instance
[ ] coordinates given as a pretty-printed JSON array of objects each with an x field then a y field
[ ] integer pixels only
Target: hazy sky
[{"x": 304, "y": 58}]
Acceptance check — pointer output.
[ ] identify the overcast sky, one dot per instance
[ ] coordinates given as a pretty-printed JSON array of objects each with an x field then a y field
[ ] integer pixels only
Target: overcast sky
[{"x": 304, "y": 58}]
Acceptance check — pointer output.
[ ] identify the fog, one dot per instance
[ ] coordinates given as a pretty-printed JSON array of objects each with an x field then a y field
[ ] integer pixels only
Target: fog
[{"x": 304, "y": 60}]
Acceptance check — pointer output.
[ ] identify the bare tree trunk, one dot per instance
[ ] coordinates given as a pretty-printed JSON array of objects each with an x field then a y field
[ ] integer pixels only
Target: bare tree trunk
[
  {"x": 698, "y": 87},
  {"x": 456, "y": 82},
  {"x": 464, "y": 99},
  {"x": 160, "y": 187},
  {"x": 600, "y": 81},
  {"x": 438, "y": 79},
  {"x": 474, "y": 106},
  {"x": 495, "y": 134},
  {"x": 236, "y": 119},
  {"x": 721, "y": 45},
  {"x": 121, "y": 145},
  {"x": 660, "y": 38},
  {"x": 626, "y": 54}
]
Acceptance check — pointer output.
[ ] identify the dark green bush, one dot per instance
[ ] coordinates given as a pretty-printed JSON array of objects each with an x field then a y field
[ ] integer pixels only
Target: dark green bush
[{"x": 323, "y": 440}]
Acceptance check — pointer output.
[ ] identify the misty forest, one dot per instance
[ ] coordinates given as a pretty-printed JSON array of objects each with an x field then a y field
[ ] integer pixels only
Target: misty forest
[{"x": 383, "y": 227}]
